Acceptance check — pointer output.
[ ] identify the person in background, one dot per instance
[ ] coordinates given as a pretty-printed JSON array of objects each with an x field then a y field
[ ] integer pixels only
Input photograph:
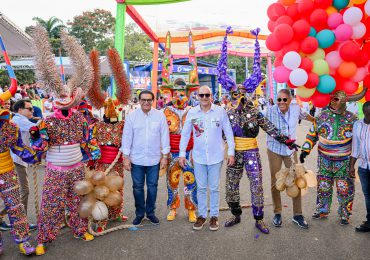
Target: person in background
[
  {"x": 361, "y": 152},
  {"x": 145, "y": 147},
  {"x": 48, "y": 107},
  {"x": 160, "y": 103}
]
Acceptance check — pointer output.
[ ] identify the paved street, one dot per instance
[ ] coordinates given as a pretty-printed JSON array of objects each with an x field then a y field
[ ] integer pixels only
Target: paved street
[{"x": 325, "y": 239}]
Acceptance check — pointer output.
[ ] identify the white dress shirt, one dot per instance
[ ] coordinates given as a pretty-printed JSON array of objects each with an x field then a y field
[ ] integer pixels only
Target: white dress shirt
[
  {"x": 361, "y": 143},
  {"x": 145, "y": 137},
  {"x": 207, "y": 133}
]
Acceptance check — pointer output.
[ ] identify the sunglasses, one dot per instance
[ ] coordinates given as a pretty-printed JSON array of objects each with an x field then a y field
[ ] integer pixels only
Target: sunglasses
[
  {"x": 204, "y": 95},
  {"x": 282, "y": 99},
  {"x": 146, "y": 100}
]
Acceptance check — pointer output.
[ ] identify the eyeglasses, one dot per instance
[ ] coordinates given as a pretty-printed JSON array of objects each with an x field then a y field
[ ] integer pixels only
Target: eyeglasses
[
  {"x": 282, "y": 99},
  {"x": 204, "y": 95},
  {"x": 146, "y": 100}
]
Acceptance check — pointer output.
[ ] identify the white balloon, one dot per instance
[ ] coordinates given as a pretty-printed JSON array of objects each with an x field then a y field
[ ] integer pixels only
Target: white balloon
[
  {"x": 100, "y": 211},
  {"x": 367, "y": 7},
  {"x": 292, "y": 60},
  {"x": 359, "y": 31},
  {"x": 352, "y": 16},
  {"x": 298, "y": 77}
]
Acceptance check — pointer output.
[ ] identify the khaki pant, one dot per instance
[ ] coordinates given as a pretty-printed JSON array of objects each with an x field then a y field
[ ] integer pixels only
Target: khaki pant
[
  {"x": 23, "y": 182},
  {"x": 275, "y": 161}
]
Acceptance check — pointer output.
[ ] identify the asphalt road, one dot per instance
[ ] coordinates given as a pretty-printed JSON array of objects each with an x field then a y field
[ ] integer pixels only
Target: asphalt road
[{"x": 325, "y": 239}]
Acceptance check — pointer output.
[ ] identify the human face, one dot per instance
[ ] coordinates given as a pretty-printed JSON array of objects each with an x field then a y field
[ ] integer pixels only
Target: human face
[
  {"x": 7, "y": 105},
  {"x": 367, "y": 114},
  {"x": 283, "y": 102},
  {"x": 204, "y": 97},
  {"x": 27, "y": 111},
  {"x": 146, "y": 102}
]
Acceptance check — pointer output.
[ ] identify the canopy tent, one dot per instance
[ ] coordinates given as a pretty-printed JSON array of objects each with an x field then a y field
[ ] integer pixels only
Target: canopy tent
[{"x": 18, "y": 43}]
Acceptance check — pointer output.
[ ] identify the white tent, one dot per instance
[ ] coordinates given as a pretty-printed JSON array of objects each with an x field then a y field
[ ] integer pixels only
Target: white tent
[{"x": 17, "y": 42}]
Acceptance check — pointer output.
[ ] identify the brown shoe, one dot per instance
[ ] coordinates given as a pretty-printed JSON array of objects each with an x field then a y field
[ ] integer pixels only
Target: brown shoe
[
  {"x": 213, "y": 224},
  {"x": 200, "y": 223}
]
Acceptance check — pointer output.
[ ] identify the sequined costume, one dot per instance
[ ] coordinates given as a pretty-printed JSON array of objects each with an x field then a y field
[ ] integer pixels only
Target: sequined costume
[{"x": 333, "y": 132}]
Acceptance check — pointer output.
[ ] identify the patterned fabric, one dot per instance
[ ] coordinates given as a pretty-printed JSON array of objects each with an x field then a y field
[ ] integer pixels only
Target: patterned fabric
[
  {"x": 252, "y": 163},
  {"x": 361, "y": 144},
  {"x": 174, "y": 172},
  {"x": 329, "y": 172},
  {"x": 10, "y": 194},
  {"x": 55, "y": 198},
  {"x": 109, "y": 134}
]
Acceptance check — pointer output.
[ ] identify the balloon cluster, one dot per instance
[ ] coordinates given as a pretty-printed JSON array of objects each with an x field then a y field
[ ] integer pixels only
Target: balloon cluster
[
  {"x": 98, "y": 191},
  {"x": 321, "y": 46},
  {"x": 293, "y": 180}
]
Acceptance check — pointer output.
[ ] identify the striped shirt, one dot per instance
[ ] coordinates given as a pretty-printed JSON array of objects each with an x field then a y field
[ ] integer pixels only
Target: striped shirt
[
  {"x": 361, "y": 143},
  {"x": 287, "y": 125}
]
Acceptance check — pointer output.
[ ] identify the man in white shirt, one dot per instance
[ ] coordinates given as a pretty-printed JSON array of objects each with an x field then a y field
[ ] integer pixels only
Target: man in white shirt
[
  {"x": 145, "y": 147},
  {"x": 207, "y": 122}
]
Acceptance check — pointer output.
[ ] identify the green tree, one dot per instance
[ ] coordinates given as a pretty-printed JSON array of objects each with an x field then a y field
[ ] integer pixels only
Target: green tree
[
  {"x": 137, "y": 44},
  {"x": 94, "y": 29}
]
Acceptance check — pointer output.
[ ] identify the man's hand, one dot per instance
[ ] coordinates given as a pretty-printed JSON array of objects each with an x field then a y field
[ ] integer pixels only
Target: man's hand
[
  {"x": 352, "y": 172},
  {"x": 182, "y": 162},
  {"x": 291, "y": 144},
  {"x": 303, "y": 156},
  {"x": 164, "y": 163},
  {"x": 127, "y": 164},
  {"x": 230, "y": 160}
]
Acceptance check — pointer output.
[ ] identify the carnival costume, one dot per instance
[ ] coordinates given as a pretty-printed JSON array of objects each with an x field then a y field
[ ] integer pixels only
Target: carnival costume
[
  {"x": 333, "y": 132},
  {"x": 108, "y": 133},
  {"x": 245, "y": 121},
  {"x": 64, "y": 135},
  {"x": 9, "y": 184}
]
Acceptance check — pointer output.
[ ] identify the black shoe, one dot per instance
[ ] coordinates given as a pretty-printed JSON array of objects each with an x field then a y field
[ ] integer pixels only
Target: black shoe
[
  {"x": 153, "y": 219},
  {"x": 364, "y": 227},
  {"x": 276, "y": 221},
  {"x": 137, "y": 221},
  {"x": 300, "y": 221},
  {"x": 343, "y": 221},
  {"x": 5, "y": 226},
  {"x": 32, "y": 227},
  {"x": 232, "y": 221}
]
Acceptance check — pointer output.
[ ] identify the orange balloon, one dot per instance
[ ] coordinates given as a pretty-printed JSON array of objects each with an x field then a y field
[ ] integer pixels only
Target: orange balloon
[
  {"x": 347, "y": 69},
  {"x": 331, "y": 9},
  {"x": 358, "y": 2},
  {"x": 287, "y": 2}
]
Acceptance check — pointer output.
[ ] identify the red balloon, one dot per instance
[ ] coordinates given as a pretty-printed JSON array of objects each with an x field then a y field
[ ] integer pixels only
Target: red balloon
[
  {"x": 301, "y": 29},
  {"x": 368, "y": 68},
  {"x": 292, "y": 46},
  {"x": 306, "y": 64},
  {"x": 285, "y": 19},
  {"x": 272, "y": 43},
  {"x": 309, "y": 45},
  {"x": 323, "y": 3},
  {"x": 320, "y": 100},
  {"x": 319, "y": 18},
  {"x": 367, "y": 82},
  {"x": 366, "y": 48},
  {"x": 292, "y": 11},
  {"x": 278, "y": 62},
  {"x": 271, "y": 25},
  {"x": 290, "y": 85},
  {"x": 334, "y": 47},
  {"x": 367, "y": 95},
  {"x": 275, "y": 10},
  {"x": 349, "y": 51},
  {"x": 362, "y": 59},
  {"x": 367, "y": 24},
  {"x": 313, "y": 80},
  {"x": 284, "y": 33},
  {"x": 349, "y": 87},
  {"x": 305, "y": 7}
]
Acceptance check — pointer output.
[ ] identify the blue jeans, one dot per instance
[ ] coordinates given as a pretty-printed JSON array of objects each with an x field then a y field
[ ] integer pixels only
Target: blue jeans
[
  {"x": 138, "y": 173},
  {"x": 364, "y": 175},
  {"x": 208, "y": 176}
]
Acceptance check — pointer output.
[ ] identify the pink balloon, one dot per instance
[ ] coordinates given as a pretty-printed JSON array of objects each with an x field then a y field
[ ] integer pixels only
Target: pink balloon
[
  {"x": 343, "y": 32},
  {"x": 281, "y": 74},
  {"x": 360, "y": 74},
  {"x": 335, "y": 20},
  {"x": 333, "y": 59}
]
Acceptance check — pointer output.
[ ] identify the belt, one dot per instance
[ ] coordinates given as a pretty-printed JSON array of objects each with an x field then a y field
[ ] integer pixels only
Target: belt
[
  {"x": 6, "y": 162},
  {"x": 244, "y": 143}
]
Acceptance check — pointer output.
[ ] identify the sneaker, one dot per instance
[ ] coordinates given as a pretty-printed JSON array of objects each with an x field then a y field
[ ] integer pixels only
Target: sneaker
[
  {"x": 277, "y": 221},
  {"x": 232, "y": 221},
  {"x": 171, "y": 215},
  {"x": 343, "y": 221},
  {"x": 364, "y": 227},
  {"x": 86, "y": 237},
  {"x": 192, "y": 217},
  {"x": 26, "y": 248},
  {"x": 40, "y": 249},
  {"x": 137, "y": 221},
  {"x": 198, "y": 225},
  {"x": 300, "y": 221},
  {"x": 153, "y": 219},
  {"x": 262, "y": 226},
  {"x": 319, "y": 215},
  {"x": 213, "y": 224},
  {"x": 32, "y": 227},
  {"x": 5, "y": 226}
]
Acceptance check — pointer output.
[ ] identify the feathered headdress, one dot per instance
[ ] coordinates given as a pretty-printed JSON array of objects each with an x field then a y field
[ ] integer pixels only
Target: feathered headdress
[
  {"x": 66, "y": 96},
  {"x": 251, "y": 83}
]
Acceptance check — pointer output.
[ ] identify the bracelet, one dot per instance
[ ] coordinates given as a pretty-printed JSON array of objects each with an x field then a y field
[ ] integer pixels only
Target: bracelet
[{"x": 165, "y": 156}]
